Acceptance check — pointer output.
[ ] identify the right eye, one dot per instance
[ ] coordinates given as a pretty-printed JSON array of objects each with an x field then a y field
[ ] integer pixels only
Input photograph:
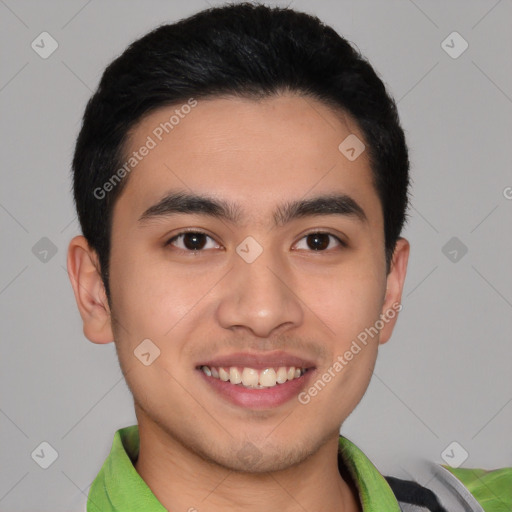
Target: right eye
[{"x": 190, "y": 241}]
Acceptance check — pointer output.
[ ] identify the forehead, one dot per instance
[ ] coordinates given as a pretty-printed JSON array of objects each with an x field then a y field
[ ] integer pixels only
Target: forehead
[{"x": 257, "y": 154}]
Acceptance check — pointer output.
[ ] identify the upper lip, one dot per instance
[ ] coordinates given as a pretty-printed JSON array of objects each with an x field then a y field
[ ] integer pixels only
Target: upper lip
[{"x": 259, "y": 361}]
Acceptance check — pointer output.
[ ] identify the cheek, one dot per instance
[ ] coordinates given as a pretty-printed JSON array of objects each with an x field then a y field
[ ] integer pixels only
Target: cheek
[
  {"x": 349, "y": 299},
  {"x": 148, "y": 294},
  {"x": 152, "y": 303}
]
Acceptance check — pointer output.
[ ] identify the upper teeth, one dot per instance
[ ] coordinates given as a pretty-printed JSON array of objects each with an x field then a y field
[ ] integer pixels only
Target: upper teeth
[{"x": 251, "y": 378}]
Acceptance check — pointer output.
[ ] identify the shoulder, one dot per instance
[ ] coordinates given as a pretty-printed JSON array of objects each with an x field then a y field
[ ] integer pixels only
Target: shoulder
[
  {"x": 413, "y": 496},
  {"x": 492, "y": 488},
  {"x": 456, "y": 489}
]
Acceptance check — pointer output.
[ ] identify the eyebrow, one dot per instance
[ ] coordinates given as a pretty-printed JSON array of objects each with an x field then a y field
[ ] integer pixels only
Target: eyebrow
[{"x": 181, "y": 202}]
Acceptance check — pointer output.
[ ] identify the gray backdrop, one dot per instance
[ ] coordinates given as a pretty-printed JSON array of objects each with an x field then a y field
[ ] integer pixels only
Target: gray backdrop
[{"x": 445, "y": 375}]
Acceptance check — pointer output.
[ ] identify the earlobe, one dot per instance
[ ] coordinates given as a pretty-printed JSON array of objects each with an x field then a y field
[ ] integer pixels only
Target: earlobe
[
  {"x": 394, "y": 288},
  {"x": 83, "y": 271}
]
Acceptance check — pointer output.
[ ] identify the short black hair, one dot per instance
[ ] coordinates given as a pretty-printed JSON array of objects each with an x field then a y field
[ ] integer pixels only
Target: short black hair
[{"x": 243, "y": 50}]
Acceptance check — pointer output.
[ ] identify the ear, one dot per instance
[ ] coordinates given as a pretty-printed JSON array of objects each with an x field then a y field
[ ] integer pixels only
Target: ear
[
  {"x": 394, "y": 287},
  {"x": 91, "y": 299}
]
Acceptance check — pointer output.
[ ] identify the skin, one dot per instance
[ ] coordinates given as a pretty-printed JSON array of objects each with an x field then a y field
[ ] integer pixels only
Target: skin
[{"x": 310, "y": 303}]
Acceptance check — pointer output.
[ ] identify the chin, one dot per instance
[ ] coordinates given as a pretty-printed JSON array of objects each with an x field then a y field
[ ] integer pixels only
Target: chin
[{"x": 247, "y": 457}]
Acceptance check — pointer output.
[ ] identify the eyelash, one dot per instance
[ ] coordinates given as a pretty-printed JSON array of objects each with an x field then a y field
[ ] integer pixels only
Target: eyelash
[{"x": 197, "y": 231}]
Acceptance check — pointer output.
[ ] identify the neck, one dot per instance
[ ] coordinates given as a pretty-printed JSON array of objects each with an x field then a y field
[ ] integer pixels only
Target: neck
[{"x": 182, "y": 480}]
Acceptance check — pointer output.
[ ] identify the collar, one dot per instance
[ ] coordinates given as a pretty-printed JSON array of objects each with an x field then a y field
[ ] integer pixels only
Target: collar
[{"x": 119, "y": 488}]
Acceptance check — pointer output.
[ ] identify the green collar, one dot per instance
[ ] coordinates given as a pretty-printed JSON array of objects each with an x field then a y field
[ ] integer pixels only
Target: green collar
[
  {"x": 119, "y": 488},
  {"x": 374, "y": 491}
]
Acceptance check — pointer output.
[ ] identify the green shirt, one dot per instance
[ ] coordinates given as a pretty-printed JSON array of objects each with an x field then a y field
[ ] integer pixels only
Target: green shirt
[{"x": 119, "y": 488}]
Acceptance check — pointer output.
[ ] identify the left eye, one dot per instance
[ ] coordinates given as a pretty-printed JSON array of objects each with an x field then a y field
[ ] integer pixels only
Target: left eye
[{"x": 319, "y": 241}]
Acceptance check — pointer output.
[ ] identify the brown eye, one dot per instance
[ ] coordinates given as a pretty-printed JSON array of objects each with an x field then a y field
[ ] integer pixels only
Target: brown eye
[
  {"x": 190, "y": 241},
  {"x": 320, "y": 241}
]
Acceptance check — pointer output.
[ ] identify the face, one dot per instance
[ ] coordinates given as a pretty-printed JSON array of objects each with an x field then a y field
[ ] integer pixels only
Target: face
[{"x": 238, "y": 284}]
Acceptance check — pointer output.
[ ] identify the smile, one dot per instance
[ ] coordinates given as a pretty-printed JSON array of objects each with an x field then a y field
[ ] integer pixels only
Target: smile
[
  {"x": 253, "y": 378},
  {"x": 257, "y": 380}
]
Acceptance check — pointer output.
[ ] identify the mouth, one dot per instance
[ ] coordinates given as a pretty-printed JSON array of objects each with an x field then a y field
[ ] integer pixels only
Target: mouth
[
  {"x": 257, "y": 381},
  {"x": 253, "y": 378}
]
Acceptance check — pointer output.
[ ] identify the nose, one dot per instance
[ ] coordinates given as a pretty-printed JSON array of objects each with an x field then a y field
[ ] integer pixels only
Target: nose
[{"x": 260, "y": 297}]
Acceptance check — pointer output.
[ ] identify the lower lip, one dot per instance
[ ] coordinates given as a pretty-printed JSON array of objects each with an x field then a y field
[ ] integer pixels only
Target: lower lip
[{"x": 264, "y": 398}]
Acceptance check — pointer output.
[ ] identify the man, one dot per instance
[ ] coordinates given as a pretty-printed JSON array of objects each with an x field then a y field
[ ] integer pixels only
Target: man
[{"x": 241, "y": 179}]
